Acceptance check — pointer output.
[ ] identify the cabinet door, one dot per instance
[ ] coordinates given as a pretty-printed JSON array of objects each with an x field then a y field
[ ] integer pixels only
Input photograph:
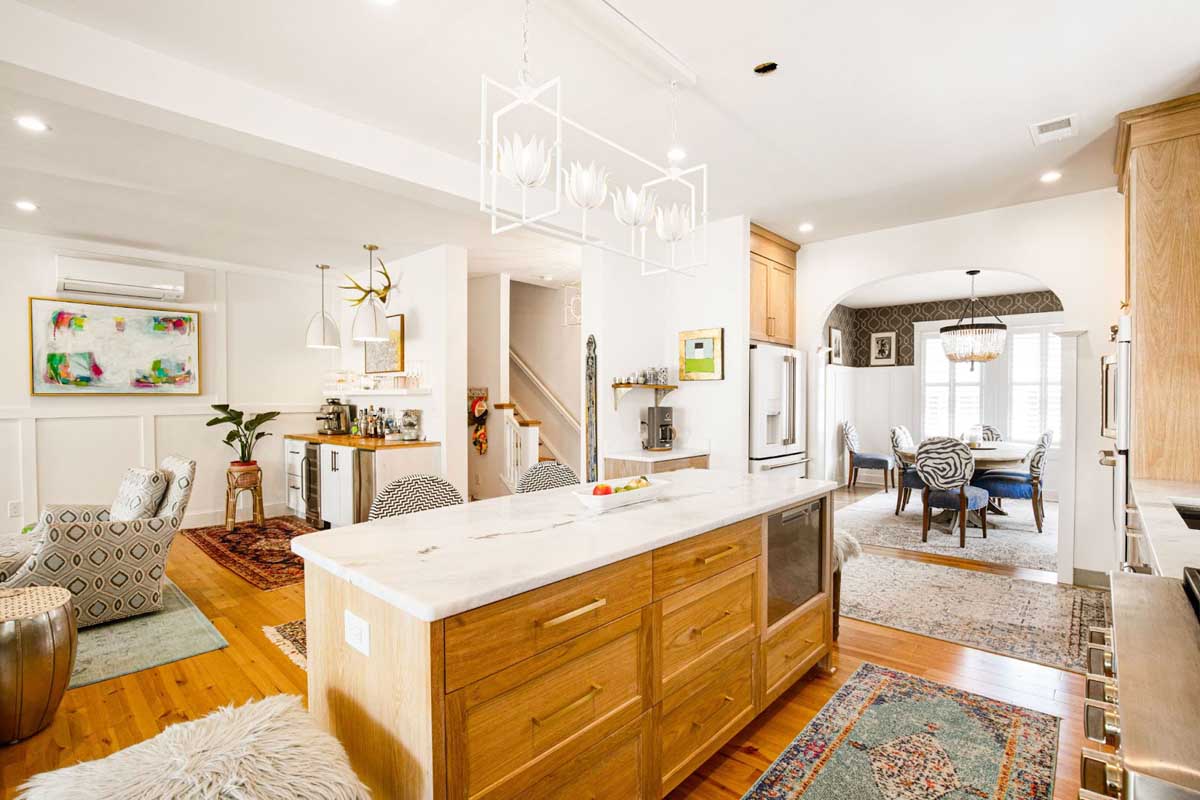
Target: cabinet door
[
  {"x": 330, "y": 494},
  {"x": 781, "y": 304},
  {"x": 760, "y": 268}
]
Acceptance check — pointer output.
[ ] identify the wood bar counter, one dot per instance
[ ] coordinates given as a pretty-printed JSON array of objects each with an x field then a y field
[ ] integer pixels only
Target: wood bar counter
[{"x": 523, "y": 647}]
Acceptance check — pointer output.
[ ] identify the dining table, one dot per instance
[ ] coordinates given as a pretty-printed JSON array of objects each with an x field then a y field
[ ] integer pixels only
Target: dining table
[{"x": 987, "y": 455}]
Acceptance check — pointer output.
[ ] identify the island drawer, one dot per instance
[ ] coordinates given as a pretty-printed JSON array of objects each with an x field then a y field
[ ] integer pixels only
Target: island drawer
[
  {"x": 487, "y": 639},
  {"x": 682, "y": 564},
  {"x": 699, "y": 718},
  {"x": 703, "y": 622},
  {"x": 791, "y": 646},
  {"x": 518, "y": 725},
  {"x": 619, "y": 768}
]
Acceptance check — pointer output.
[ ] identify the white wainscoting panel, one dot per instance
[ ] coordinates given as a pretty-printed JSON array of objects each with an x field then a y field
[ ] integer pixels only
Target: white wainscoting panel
[{"x": 83, "y": 460}]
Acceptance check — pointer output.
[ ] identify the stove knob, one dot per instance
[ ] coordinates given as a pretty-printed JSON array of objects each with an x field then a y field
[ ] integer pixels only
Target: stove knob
[
  {"x": 1100, "y": 774},
  {"x": 1101, "y": 722},
  {"x": 1100, "y": 636},
  {"x": 1100, "y": 660}
]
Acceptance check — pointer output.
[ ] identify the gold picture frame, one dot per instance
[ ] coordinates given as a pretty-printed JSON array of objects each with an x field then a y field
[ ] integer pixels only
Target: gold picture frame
[
  {"x": 384, "y": 357},
  {"x": 86, "y": 391},
  {"x": 702, "y": 355}
]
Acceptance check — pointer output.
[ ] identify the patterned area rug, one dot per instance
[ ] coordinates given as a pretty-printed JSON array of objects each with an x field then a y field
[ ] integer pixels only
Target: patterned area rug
[
  {"x": 292, "y": 639},
  {"x": 260, "y": 555},
  {"x": 1012, "y": 540},
  {"x": 887, "y": 735},
  {"x": 118, "y": 648},
  {"x": 1042, "y": 622}
]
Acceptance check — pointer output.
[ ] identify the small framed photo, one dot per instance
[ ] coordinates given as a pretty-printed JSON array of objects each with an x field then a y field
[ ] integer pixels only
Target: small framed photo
[
  {"x": 835, "y": 346},
  {"x": 702, "y": 355},
  {"x": 883, "y": 349}
]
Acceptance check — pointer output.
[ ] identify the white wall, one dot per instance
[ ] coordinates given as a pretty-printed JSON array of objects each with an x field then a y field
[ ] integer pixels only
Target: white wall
[
  {"x": 432, "y": 294},
  {"x": 637, "y": 321},
  {"x": 1073, "y": 244},
  {"x": 76, "y": 449},
  {"x": 487, "y": 367}
]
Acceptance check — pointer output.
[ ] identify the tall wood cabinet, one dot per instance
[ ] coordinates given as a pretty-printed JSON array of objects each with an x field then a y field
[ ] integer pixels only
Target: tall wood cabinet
[
  {"x": 772, "y": 287},
  {"x": 1158, "y": 170}
]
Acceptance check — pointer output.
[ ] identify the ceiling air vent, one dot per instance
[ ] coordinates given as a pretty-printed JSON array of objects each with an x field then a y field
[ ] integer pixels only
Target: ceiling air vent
[{"x": 1054, "y": 130}]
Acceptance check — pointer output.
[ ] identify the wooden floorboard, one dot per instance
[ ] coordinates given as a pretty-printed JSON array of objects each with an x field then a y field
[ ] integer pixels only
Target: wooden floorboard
[{"x": 96, "y": 720}]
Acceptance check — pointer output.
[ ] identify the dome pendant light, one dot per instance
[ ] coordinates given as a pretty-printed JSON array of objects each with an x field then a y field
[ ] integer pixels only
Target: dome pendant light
[
  {"x": 974, "y": 341},
  {"x": 370, "y": 321},
  {"x": 323, "y": 332}
]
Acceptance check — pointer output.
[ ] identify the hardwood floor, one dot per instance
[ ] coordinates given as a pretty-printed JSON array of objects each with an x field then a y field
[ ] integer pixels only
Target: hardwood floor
[{"x": 102, "y": 718}]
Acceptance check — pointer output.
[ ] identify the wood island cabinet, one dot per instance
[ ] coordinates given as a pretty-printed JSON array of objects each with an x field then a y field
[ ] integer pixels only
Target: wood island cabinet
[{"x": 772, "y": 287}]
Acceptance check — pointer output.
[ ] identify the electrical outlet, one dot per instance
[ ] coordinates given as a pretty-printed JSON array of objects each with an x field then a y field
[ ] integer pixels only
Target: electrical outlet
[
  {"x": 14, "y": 509},
  {"x": 358, "y": 633}
]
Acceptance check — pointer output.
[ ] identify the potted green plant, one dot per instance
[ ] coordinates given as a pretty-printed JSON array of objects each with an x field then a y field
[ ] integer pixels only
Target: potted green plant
[{"x": 245, "y": 433}]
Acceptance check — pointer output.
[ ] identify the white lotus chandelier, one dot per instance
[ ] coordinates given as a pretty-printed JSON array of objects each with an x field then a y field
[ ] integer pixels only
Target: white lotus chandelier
[
  {"x": 974, "y": 341},
  {"x": 522, "y": 180}
]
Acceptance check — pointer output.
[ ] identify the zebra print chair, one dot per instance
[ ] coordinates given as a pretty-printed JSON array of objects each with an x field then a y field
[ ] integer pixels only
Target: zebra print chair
[
  {"x": 546, "y": 475},
  {"x": 990, "y": 433},
  {"x": 906, "y": 478},
  {"x": 411, "y": 494},
  {"x": 1018, "y": 485},
  {"x": 859, "y": 460},
  {"x": 946, "y": 466}
]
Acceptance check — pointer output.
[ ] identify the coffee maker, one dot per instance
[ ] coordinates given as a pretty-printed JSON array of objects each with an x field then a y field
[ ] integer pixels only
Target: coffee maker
[
  {"x": 335, "y": 417},
  {"x": 658, "y": 428}
]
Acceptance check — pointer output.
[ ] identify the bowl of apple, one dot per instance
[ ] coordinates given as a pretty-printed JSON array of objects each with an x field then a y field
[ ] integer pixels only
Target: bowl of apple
[{"x": 607, "y": 495}]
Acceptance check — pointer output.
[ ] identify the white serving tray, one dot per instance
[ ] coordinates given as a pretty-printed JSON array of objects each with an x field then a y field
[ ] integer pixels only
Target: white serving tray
[{"x": 607, "y": 502}]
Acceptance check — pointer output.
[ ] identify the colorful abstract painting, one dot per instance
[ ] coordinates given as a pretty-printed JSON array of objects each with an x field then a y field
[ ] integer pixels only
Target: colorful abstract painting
[{"x": 96, "y": 348}]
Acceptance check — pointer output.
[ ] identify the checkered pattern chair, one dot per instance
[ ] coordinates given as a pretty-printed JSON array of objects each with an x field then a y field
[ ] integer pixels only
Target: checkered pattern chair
[
  {"x": 546, "y": 475},
  {"x": 411, "y": 494},
  {"x": 946, "y": 465},
  {"x": 860, "y": 460},
  {"x": 113, "y": 569},
  {"x": 907, "y": 478},
  {"x": 1018, "y": 485}
]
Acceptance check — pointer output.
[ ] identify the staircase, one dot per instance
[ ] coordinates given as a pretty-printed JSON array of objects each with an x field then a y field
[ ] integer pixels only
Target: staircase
[{"x": 525, "y": 440}]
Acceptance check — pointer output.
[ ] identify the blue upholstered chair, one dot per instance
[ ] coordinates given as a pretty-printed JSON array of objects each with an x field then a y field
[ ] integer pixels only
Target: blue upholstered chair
[
  {"x": 946, "y": 466},
  {"x": 906, "y": 478},
  {"x": 1018, "y": 485},
  {"x": 860, "y": 460}
]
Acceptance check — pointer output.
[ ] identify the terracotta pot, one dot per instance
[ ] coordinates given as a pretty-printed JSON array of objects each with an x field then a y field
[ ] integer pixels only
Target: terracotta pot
[{"x": 237, "y": 464}]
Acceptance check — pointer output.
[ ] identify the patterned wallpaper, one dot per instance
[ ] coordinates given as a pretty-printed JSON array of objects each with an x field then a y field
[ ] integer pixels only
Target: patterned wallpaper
[{"x": 857, "y": 324}]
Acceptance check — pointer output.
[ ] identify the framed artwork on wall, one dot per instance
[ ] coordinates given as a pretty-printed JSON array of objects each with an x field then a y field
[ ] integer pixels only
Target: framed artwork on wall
[
  {"x": 386, "y": 356},
  {"x": 702, "y": 355},
  {"x": 883, "y": 349},
  {"x": 835, "y": 345},
  {"x": 86, "y": 348}
]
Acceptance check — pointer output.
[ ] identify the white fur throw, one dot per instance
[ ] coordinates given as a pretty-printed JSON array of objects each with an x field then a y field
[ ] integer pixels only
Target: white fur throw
[
  {"x": 845, "y": 547},
  {"x": 265, "y": 750}
]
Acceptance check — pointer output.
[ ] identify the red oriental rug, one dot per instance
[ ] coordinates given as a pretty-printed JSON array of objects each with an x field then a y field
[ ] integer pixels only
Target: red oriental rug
[{"x": 260, "y": 555}]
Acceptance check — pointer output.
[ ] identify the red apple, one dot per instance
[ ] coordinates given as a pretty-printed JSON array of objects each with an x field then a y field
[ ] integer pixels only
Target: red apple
[{"x": 602, "y": 489}]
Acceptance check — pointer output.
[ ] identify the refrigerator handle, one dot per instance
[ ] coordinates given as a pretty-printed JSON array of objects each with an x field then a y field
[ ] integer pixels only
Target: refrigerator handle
[{"x": 790, "y": 379}]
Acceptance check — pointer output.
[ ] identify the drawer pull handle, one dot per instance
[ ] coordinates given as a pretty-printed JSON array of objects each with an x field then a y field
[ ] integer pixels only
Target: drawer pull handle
[
  {"x": 598, "y": 603},
  {"x": 726, "y": 553},
  {"x": 569, "y": 707},
  {"x": 807, "y": 644},
  {"x": 699, "y": 630},
  {"x": 700, "y": 723}
]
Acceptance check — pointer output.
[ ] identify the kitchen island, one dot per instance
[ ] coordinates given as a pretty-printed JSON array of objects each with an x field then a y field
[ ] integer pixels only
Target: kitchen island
[{"x": 525, "y": 647}]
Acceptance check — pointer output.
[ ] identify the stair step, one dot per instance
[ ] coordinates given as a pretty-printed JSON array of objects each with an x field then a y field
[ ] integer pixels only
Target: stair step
[{"x": 546, "y": 458}]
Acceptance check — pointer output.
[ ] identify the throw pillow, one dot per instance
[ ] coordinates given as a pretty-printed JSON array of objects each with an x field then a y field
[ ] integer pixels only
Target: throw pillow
[{"x": 140, "y": 493}]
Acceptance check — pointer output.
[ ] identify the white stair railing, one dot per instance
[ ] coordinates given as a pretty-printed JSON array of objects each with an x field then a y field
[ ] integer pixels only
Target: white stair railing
[
  {"x": 521, "y": 446},
  {"x": 545, "y": 390}
]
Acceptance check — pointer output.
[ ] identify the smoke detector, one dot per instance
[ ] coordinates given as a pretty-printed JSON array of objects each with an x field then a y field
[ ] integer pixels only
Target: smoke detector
[{"x": 1054, "y": 130}]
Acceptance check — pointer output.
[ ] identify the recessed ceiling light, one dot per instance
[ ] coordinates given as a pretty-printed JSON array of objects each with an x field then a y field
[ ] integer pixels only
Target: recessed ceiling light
[
  {"x": 34, "y": 124},
  {"x": 26, "y": 205},
  {"x": 806, "y": 227},
  {"x": 766, "y": 68},
  {"x": 1051, "y": 177},
  {"x": 547, "y": 277}
]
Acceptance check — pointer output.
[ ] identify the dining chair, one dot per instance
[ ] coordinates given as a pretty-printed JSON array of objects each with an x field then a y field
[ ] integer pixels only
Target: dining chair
[
  {"x": 945, "y": 465},
  {"x": 413, "y": 493},
  {"x": 906, "y": 478},
  {"x": 990, "y": 433},
  {"x": 546, "y": 475},
  {"x": 1019, "y": 484},
  {"x": 860, "y": 460}
]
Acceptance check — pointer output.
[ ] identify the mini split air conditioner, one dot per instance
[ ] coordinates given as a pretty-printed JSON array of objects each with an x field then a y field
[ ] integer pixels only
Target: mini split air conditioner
[{"x": 112, "y": 279}]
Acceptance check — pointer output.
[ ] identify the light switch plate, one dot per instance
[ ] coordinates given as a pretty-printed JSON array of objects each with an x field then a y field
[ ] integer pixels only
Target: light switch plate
[
  {"x": 358, "y": 633},
  {"x": 14, "y": 509}
]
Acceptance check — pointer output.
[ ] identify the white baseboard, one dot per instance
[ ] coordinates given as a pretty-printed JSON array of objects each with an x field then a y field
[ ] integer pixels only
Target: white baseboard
[{"x": 203, "y": 519}]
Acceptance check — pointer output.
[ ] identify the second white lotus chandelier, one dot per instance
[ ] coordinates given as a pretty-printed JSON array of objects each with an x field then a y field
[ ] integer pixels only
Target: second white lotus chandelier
[{"x": 523, "y": 180}]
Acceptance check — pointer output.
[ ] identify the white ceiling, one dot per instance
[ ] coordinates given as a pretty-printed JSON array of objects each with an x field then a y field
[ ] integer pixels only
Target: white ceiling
[
  {"x": 948, "y": 284},
  {"x": 881, "y": 114}
]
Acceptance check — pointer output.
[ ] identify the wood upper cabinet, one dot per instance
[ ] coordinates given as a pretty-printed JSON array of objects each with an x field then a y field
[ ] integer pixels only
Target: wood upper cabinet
[
  {"x": 772, "y": 287},
  {"x": 1158, "y": 169}
]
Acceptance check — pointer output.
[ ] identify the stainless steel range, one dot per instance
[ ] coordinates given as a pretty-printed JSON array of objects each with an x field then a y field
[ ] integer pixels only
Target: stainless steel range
[{"x": 1143, "y": 695}]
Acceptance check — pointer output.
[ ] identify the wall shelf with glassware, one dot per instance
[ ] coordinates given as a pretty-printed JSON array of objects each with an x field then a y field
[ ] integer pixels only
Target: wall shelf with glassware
[
  {"x": 335, "y": 391},
  {"x": 661, "y": 390}
]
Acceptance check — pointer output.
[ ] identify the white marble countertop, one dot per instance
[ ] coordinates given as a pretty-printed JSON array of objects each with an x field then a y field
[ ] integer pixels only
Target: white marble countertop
[
  {"x": 1173, "y": 545},
  {"x": 653, "y": 456},
  {"x": 439, "y": 563}
]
